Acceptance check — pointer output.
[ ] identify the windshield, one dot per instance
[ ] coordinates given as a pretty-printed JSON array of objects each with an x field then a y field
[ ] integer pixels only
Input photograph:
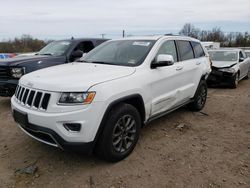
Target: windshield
[
  {"x": 122, "y": 52},
  {"x": 223, "y": 55},
  {"x": 56, "y": 48}
]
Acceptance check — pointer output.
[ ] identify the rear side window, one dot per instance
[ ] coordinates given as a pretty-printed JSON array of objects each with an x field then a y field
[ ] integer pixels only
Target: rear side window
[
  {"x": 98, "y": 42},
  {"x": 198, "y": 50},
  {"x": 85, "y": 46},
  {"x": 185, "y": 50}
]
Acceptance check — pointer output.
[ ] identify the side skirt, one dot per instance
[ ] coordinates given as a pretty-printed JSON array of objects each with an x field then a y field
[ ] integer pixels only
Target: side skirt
[{"x": 167, "y": 111}]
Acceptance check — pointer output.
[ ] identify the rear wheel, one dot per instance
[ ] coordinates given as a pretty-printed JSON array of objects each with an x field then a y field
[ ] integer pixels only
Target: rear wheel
[
  {"x": 200, "y": 97},
  {"x": 120, "y": 134}
]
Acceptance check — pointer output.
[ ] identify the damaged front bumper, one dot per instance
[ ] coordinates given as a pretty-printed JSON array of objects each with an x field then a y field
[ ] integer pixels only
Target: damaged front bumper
[{"x": 218, "y": 77}]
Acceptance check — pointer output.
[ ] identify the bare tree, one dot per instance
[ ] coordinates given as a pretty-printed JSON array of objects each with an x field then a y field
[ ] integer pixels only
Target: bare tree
[{"x": 189, "y": 30}]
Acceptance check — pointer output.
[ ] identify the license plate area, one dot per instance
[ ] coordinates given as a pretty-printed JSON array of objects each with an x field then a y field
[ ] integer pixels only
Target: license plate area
[{"x": 21, "y": 118}]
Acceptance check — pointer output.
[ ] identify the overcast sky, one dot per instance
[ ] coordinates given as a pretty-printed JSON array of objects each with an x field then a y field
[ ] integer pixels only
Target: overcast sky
[{"x": 56, "y": 19}]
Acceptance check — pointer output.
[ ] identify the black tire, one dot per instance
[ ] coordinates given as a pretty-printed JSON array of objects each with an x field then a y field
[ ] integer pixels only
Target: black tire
[
  {"x": 248, "y": 74},
  {"x": 200, "y": 97},
  {"x": 118, "y": 140},
  {"x": 235, "y": 81}
]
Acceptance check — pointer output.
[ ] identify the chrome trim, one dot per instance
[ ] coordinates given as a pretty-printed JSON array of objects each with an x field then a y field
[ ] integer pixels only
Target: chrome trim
[
  {"x": 27, "y": 98},
  {"x": 40, "y": 140}
]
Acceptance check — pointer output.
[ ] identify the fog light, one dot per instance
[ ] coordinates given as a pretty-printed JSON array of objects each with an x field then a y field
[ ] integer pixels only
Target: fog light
[{"x": 72, "y": 127}]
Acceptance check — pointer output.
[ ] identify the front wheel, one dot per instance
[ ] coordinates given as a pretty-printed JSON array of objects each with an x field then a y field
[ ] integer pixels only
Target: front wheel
[
  {"x": 235, "y": 81},
  {"x": 248, "y": 74},
  {"x": 200, "y": 97},
  {"x": 120, "y": 134}
]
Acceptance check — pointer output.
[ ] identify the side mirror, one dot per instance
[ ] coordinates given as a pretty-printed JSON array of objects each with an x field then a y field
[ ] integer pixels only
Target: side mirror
[
  {"x": 162, "y": 60},
  {"x": 84, "y": 54},
  {"x": 77, "y": 54},
  {"x": 241, "y": 59}
]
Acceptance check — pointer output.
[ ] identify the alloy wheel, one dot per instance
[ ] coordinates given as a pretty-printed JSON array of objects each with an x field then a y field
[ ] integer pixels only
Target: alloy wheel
[{"x": 124, "y": 133}]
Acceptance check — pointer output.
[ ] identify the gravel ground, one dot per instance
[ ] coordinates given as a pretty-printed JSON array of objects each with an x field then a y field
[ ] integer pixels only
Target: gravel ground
[{"x": 183, "y": 149}]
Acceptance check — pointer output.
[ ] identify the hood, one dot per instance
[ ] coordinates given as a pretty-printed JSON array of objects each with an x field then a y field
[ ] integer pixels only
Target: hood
[
  {"x": 223, "y": 64},
  {"x": 74, "y": 77},
  {"x": 23, "y": 60}
]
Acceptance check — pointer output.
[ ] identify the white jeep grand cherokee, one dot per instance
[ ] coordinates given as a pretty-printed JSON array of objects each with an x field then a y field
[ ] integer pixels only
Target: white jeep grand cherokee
[{"x": 100, "y": 103}]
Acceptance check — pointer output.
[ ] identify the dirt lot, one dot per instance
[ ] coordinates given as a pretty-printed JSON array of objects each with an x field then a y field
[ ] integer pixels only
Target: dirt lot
[{"x": 212, "y": 149}]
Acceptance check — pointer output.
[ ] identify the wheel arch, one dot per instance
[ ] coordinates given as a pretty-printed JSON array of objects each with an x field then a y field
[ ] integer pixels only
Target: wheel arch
[{"x": 135, "y": 100}]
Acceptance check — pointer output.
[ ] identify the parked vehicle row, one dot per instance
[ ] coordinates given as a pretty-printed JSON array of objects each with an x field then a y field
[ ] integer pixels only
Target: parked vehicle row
[
  {"x": 100, "y": 103},
  {"x": 55, "y": 53},
  {"x": 7, "y": 55}
]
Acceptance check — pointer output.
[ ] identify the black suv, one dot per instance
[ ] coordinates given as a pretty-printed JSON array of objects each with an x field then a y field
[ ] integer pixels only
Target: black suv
[{"x": 55, "y": 53}]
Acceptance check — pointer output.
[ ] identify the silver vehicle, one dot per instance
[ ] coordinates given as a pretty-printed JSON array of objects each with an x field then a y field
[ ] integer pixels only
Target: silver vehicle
[
  {"x": 229, "y": 66},
  {"x": 247, "y": 52}
]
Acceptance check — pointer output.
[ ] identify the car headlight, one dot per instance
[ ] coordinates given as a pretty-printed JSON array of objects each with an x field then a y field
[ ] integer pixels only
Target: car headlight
[
  {"x": 77, "y": 97},
  {"x": 17, "y": 72},
  {"x": 230, "y": 70}
]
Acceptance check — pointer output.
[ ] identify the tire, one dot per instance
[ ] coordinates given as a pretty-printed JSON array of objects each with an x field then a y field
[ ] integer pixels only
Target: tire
[
  {"x": 120, "y": 134},
  {"x": 248, "y": 74},
  {"x": 235, "y": 81},
  {"x": 200, "y": 97}
]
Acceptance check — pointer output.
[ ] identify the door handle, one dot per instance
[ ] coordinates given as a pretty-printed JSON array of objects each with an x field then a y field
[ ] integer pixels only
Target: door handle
[
  {"x": 179, "y": 68},
  {"x": 198, "y": 63}
]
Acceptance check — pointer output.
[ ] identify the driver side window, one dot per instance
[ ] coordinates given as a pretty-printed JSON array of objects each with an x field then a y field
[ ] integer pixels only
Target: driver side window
[{"x": 168, "y": 48}]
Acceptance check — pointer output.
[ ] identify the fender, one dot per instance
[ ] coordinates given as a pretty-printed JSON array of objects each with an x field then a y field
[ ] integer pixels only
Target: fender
[{"x": 112, "y": 104}]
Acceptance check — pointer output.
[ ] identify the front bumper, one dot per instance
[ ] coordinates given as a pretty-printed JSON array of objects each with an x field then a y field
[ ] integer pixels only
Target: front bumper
[
  {"x": 8, "y": 87},
  {"x": 48, "y": 127},
  {"x": 219, "y": 77},
  {"x": 51, "y": 138}
]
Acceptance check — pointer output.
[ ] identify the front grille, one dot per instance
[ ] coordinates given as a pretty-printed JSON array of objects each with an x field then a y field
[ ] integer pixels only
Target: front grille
[
  {"x": 32, "y": 98},
  {"x": 4, "y": 72}
]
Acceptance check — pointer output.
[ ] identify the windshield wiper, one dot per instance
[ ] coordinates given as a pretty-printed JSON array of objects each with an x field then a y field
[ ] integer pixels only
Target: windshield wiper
[
  {"x": 102, "y": 62},
  {"x": 80, "y": 60},
  {"x": 46, "y": 54}
]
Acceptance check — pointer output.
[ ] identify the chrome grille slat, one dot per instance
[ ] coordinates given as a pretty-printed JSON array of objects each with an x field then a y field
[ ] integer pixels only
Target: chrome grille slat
[
  {"x": 19, "y": 92},
  {"x": 39, "y": 106},
  {"x": 32, "y": 104},
  {"x": 31, "y": 98},
  {"x": 23, "y": 95},
  {"x": 27, "y": 97},
  {"x": 17, "y": 88}
]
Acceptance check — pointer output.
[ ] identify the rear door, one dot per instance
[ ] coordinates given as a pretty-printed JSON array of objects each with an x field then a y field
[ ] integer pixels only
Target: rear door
[{"x": 190, "y": 68}]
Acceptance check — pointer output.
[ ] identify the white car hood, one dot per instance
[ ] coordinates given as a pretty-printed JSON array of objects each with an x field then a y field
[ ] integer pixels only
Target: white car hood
[
  {"x": 223, "y": 64},
  {"x": 74, "y": 76}
]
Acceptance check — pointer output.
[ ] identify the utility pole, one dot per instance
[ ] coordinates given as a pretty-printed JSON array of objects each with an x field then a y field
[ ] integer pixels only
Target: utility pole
[
  {"x": 103, "y": 35},
  {"x": 123, "y": 33}
]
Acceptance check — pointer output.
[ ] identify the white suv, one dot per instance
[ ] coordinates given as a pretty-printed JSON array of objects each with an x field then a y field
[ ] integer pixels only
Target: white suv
[{"x": 100, "y": 103}]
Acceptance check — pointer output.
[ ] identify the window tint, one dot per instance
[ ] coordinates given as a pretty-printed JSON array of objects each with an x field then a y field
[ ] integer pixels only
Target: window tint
[
  {"x": 85, "y": 46},
  {"x": 168, "y": 48},
  {"x": 198, "y": 50},
  {"x": 185, "y": 50},
  {"x": 98, "y": 42}
]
